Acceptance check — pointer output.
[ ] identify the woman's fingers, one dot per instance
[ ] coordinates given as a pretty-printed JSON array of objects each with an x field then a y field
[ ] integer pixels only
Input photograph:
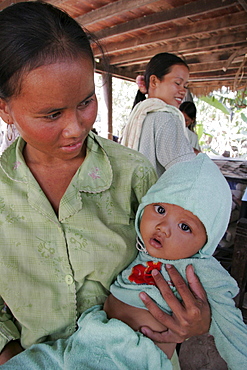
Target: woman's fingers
[
  {"x": 189, "y": 317},
  {"x": 195, "y": 284},
  {"x": 194, "y": 312}
]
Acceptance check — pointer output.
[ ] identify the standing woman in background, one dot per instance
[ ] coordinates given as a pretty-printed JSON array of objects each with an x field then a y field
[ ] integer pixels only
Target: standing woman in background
[
  {"x": 156, "y": 127},
  {"x": 188, "y": 109}
]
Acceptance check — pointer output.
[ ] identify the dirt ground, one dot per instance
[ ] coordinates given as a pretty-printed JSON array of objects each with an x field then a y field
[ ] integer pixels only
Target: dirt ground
[{"x": 200, "y": 353}]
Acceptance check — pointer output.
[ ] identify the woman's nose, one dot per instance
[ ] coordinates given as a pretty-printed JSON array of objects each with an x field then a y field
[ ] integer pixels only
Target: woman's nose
[
  {"x": 73, "y": 127},
  {"x": 183, "y": 90}
]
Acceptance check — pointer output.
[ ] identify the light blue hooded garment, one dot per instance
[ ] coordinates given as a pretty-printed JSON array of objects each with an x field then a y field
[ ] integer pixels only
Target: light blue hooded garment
[{"x": 199, "y": 187}]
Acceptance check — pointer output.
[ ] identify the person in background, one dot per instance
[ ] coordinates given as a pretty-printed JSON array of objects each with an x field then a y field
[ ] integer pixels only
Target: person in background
[
  {"x": 94, "y": 131},
  {"x": 188, "y": 109},
  {"x": 9, "y": 134},
  {"x": 68, "y": 197},
  {"x": 156, "y": 126}
]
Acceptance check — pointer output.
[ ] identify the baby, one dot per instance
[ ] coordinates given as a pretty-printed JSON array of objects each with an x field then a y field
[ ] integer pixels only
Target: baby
[{"x": 180, "y": 221}]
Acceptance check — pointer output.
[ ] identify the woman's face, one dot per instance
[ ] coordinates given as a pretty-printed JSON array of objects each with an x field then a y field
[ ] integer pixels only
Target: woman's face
[
  {"x": 188, "y": 120},
  {"x": 55, "y": 109},
  {"x": 172, "y": 87}
]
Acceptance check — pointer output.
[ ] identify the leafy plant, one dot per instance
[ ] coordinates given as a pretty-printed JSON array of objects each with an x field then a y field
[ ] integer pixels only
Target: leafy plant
[{"x": 225, "y": 119}]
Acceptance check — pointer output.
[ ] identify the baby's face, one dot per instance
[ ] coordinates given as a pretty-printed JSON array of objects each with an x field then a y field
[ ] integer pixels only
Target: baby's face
[{"x": 171, "y": 232}]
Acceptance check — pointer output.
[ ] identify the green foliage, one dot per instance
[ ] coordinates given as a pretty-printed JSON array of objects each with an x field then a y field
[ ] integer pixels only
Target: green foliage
[
  {"x": 224, "y": 118},
  {"x": 244, "y": 117},
  {"x": 215, "y": 103},
  {"x": 199, "y": 130}
]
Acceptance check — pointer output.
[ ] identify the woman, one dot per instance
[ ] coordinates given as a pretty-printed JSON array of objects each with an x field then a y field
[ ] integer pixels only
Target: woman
[
  {"x": 156, "y": 126},
  {"x": 68, "y": 197}
]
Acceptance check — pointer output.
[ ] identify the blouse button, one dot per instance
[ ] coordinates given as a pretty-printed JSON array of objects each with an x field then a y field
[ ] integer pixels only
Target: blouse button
[{"x": 69, "y": 279}]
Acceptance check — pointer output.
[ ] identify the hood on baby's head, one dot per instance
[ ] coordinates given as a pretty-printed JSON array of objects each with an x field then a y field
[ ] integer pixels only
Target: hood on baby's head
[{"x": 199, "y": 187}]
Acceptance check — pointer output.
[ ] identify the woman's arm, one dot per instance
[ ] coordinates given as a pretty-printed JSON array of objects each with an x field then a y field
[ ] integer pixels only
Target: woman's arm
[
  {"x": 190, "y": 317},
  {"x": 10, "y": 350}
]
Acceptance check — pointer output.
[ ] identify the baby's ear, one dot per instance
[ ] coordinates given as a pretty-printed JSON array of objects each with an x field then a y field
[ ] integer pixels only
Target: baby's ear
[{"x": 4, "y": 111}]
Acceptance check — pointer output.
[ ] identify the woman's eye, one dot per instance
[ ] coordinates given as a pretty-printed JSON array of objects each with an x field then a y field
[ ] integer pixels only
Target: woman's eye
[
  {"x": 184, "y": 227},
  {"x": 85, "y": 103},
  {"x": 159, "y": 209},
  {"x": 53, "y": 116}
]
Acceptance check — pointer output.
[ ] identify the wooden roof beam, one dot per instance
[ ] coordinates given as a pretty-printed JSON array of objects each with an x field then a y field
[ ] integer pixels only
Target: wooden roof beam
[
  {"x": 195, "y": 29},
  {"x": 182, "y": 49},
  {"x": 111, "y": 10},
  {"x": 184, "y": 11},
  {"x": 244, "y": 4}
]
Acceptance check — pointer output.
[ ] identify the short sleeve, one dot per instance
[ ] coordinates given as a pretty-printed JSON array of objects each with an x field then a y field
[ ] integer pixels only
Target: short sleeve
[{"x": 172, "y": 146}]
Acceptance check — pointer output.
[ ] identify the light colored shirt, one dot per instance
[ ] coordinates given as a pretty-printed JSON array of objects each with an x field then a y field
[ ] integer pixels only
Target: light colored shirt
[
  {"x": 193, "y": 139},
  {"x": 4, "y": 140},
  {"x": 163, "y": 141},
  {"x": 54, "y": 268}
]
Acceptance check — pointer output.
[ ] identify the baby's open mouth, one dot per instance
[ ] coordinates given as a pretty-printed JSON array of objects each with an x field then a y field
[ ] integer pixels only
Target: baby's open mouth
[{"x": 156, "y": 243}]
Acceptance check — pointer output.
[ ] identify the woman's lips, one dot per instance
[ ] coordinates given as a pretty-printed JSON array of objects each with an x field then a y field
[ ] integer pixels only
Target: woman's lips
[
  {"x": 179, "y": 100},
  {"x": 72, "y": 147}
]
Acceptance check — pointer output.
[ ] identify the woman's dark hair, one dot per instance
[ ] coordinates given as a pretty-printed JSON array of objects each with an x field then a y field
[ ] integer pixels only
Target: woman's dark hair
[
  {"x": 34, "y": 34},
  {"x": 189, "y": 108},
  {"x": 160, "y": 65}
]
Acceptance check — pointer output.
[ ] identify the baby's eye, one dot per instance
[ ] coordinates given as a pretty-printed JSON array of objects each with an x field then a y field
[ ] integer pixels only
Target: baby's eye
[
  {"x": 184, "y": 227},
  {"x": 159, "y": 209}
]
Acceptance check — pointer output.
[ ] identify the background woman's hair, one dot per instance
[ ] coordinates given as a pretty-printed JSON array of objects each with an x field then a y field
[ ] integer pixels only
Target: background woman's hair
[
  {"x": 160, "y": 65},
  {"x": 189, "y": 108},
  {"x": 34, "y": 34}
]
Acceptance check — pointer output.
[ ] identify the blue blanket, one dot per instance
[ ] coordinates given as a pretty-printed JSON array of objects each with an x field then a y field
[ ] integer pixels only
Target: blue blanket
[{"x": 98, "y": 343}]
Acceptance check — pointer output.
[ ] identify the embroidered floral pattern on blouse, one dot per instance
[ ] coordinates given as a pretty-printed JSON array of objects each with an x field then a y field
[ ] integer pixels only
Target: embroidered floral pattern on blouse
[
  {"x": 94, "y": 173},
  {"x": 142, "y": 275},
  {"x": 16, "y": 165}
]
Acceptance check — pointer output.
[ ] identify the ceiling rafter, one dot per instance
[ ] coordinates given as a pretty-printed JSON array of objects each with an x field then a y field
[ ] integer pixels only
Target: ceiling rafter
[
  {"x": 180, "y": 47},
  {"x": 185, "y": 11},
  {"x": 222, "y": 24},
  {"x": 110, "y": 10}
]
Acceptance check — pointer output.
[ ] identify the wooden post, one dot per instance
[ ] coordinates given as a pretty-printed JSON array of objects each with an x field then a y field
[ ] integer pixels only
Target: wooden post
[
  {"x": 107, "y": 88},
  {"x": 239, "y": 260}
]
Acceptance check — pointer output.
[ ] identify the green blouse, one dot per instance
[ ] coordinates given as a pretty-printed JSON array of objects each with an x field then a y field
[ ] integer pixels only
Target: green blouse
[{"x": 55, "y": 267}]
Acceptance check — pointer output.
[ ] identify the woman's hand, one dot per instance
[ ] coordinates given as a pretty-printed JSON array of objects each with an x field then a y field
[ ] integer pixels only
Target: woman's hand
[
  {"x": 10, "y": 350},
  {"x": 190, "y": 317}
]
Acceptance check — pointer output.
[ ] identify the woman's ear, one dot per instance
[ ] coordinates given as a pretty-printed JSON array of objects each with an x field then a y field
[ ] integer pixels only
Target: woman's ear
[
  {"x": 4, "y": 111},
  {"x": 153, "y": 80}
]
